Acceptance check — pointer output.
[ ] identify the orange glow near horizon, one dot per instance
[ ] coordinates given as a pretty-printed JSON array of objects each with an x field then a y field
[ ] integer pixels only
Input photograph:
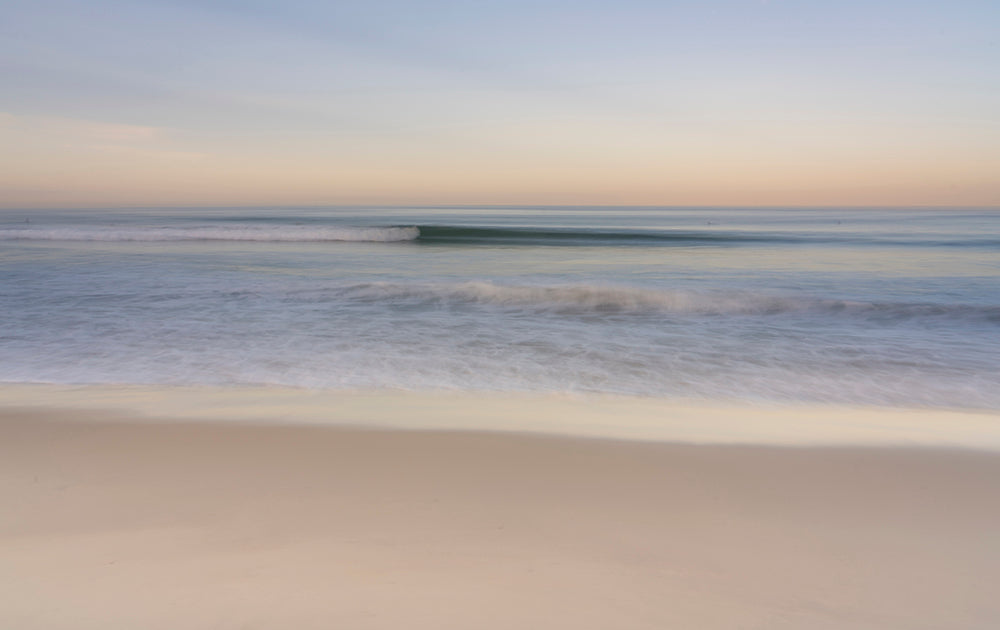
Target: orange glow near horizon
[{"x": 636, "y": 104}]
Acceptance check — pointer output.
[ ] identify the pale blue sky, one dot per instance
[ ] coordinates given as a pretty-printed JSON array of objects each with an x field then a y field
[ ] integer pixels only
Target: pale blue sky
[{"x": 739, "y": 102}]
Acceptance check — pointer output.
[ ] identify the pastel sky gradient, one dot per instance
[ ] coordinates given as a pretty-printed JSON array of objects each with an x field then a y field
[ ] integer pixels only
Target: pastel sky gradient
[{"x": 261, "y": 102}]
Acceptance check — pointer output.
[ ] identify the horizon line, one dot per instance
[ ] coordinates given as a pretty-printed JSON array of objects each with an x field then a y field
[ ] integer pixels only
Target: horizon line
[{"x": 511, "y": 205}]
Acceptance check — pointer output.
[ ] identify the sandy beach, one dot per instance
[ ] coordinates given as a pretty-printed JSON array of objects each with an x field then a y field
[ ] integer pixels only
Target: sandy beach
[{"x": 114, "y": 521}]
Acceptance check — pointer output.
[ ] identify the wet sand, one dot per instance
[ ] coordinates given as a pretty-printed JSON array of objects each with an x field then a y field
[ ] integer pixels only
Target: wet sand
[{"x": 116, "y": 521}]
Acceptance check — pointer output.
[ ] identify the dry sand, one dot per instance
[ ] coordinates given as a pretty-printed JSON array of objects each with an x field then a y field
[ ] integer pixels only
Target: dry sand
[{"x": 115, "y": 523}]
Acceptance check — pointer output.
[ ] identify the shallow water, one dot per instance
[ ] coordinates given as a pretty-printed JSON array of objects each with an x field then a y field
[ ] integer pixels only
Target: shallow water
[{"x": 873, "y": 307}]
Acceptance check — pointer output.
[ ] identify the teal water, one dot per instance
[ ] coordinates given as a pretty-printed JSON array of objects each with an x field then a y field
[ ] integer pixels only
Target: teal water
[{"x": 897, "y": 307}]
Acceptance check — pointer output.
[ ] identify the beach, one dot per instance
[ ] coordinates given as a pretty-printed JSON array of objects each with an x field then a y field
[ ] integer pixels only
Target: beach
[
  {"x": 500, "y": 417},
  {"x": 499, "y": 316},
  {"x": 118, "y": 518}
]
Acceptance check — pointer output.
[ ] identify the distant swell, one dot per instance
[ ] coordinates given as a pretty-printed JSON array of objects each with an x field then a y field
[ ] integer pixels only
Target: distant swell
[
  {"x": 598, "y": 299},
  {"x": 464, "y": 235},
  {"x": 288, "y": 233},
  {"x": 558, "y": 236}
]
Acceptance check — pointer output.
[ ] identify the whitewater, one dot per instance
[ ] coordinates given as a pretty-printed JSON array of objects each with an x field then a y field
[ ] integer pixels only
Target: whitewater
[{"x": 884, "y": 307}]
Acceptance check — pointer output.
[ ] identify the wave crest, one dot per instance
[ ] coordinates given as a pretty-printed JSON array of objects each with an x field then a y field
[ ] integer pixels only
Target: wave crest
[
  {"x": 609, "y": 299},
  {"x": 287, "y": 233},
  {"x": 584, "y": 298}
]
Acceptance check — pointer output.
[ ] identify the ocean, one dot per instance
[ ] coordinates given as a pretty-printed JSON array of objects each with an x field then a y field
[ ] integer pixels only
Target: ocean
[{"x": 872, "y": 307}]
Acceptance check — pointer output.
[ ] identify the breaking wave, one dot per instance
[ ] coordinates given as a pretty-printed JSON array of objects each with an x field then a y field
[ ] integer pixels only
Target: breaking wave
[
  {"x": 464, "y": 235},
  {"x": 608, "y": 299},
  {"x": 471, "y": 235},
  {"x": 451, "y": 234},
  {"x": 269, "y": 233}
]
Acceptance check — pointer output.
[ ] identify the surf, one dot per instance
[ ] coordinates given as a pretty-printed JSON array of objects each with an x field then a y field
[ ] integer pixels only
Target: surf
[
  {"x": 471, "y": 235},
  {"x": 619, "y": 299},
  {"x": 259, "y": 233}
]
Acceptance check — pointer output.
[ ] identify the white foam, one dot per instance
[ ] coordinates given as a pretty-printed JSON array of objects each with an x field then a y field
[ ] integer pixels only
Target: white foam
[
  {"x": 610, "y": 299},
  {"x": 286, "y": 233},
  {"x": 601, "y": 298}
]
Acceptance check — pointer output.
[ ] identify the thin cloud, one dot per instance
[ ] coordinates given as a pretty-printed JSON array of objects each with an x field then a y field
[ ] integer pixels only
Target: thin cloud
[{"x": 79, "y": 130}]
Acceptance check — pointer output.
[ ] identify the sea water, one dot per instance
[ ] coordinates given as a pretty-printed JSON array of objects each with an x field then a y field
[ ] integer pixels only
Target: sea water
[{"x": 884, "y": 307}]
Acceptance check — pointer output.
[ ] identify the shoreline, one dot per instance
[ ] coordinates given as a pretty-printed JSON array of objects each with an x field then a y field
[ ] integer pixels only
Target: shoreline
[
  {"x": 116, "y": 520},
  {"x": 600, "y": 416}
]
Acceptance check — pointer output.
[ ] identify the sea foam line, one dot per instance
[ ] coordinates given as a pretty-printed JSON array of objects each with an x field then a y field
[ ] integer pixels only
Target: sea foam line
[
  {"x": 289, "y": 233},
  {"x": 597, "y": 298}
]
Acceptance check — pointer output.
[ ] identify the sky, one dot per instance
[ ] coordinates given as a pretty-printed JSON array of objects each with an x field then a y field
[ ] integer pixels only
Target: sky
[{"x": 733, "y": 102}]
